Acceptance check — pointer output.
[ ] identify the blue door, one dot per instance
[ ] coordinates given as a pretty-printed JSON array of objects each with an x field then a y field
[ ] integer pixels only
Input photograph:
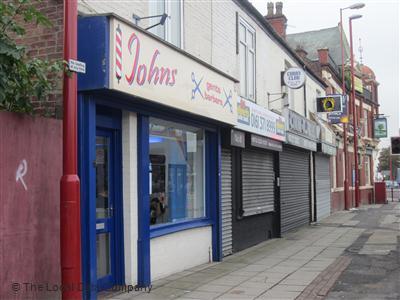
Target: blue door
[{"x": 105, "y": 198}]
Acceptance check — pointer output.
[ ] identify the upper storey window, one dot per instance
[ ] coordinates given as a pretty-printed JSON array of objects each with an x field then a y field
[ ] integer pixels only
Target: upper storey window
[
  {"x": 247, "y": 54},
  {"x": 171, "y": 31}
]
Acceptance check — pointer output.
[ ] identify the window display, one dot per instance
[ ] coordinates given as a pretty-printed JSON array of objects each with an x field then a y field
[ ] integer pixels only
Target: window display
[{"x": 176, "y": 172}]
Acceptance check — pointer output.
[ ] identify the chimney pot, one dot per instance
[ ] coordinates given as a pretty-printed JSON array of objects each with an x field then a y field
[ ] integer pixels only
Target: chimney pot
[
  {"x": 277, "y": 20},
  {"x": 278, "y": 7},
  {"x": 270, "y": 8}
]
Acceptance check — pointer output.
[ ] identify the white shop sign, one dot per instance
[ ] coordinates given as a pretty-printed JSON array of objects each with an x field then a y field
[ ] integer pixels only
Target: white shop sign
[
  {"x": 143, "y": 66},
  {"x": 294, "y": 78},
  {"x": 256, "y": 119}
]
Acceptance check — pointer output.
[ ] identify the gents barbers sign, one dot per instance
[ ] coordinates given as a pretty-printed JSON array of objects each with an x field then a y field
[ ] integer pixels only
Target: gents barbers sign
[{"x": 145, "y": 67}]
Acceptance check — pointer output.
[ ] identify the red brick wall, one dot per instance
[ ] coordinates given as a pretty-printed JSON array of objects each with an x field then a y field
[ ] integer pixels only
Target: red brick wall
[
  {"x": 337, "y": 201},
  {"x": 47, "y": 43},
  {"x": 31, "y": 168}
]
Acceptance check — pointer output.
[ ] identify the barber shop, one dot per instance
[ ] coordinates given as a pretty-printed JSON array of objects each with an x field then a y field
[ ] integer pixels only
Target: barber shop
[{"x": 148, "y": 157}]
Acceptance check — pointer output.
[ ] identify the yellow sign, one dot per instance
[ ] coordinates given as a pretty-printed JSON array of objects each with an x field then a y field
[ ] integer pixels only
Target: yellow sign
[
  {"x": 328, "y": 104},
  {"x": 358, "y": 85},
  {"x": 344, "y": 119}
]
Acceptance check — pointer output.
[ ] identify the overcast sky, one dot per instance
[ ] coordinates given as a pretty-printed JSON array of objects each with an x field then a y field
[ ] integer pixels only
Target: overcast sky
[{"x": 378, "y": 30}]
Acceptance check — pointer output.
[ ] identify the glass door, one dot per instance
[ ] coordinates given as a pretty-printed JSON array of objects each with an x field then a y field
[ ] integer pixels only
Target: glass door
[{"x": 105, "y": 217}]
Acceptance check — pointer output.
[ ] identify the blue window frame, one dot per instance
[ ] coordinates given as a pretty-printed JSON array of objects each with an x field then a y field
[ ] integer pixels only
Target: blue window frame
[{"x": 93, "y": 108}]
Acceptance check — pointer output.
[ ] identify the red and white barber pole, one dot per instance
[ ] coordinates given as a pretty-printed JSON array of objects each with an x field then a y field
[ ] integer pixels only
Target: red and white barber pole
[{"x": 118, "y": 51}]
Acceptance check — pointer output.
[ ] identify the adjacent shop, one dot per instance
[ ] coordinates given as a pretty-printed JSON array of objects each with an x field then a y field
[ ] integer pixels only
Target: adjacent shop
[
  {"x": 249, "y": 177},
  {"x": 296, "y": 170},
  {"x": 326, "y": 149},
  {"x": 149, "y": 158}
]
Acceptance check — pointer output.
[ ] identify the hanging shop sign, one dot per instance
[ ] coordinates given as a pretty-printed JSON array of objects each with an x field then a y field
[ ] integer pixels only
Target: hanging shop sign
[
  {"x": 358, "y": 85},
  {"x": 339, "y": 117},
  {"x": 301, "y": 132},
  {"x": 265, "y": 143},
  {"x": 143, "y": 66},
  {"x": 329, "y": 103},
  {"x": 380, "y": 128},
  {"x": 256, "y": 119},
  {"x": 294, "y": 78},
  {"x": 238, "y": 138}
]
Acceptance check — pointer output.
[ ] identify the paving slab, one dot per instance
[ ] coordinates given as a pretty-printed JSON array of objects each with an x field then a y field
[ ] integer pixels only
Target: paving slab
[
  {"x": 276, "y": 294},
  {"x": 202, "y": 295},
  {"x": 214, "y": 288}
]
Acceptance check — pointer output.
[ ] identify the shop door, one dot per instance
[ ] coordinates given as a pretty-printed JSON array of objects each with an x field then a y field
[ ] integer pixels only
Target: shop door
[
  {"x": 226, "y": 195},
  {"x": 322, "y": 186},
  {"x": 105, "y": 205}
]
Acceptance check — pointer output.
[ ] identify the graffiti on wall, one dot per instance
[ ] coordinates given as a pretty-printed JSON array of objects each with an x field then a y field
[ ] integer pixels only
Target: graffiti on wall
[{"x": 21, "y": 172}]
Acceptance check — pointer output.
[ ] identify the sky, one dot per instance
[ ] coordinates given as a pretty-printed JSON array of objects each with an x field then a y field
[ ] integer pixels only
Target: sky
[{"x": 378, "y": 30}]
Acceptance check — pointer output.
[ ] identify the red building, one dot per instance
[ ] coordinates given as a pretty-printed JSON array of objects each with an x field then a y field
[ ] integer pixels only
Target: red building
[{"x": 321, "y": 51}]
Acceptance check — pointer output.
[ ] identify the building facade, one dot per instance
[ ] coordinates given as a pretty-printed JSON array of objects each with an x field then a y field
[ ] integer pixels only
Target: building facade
[
  {"x": 188, "y": 137},
  {"x": 321, "y": 51}
]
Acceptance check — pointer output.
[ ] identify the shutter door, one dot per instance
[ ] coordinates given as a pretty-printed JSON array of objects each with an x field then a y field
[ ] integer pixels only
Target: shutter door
[
  {"x": 226, "y": 182},
  {"x": 257, "y": 182},
  {"x": 295, "y": 188},
  {"x": 322, "y": 186}
]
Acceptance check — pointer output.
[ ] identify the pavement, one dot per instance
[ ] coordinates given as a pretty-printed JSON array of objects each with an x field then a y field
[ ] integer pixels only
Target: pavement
[{"x": 349, "y": 255}]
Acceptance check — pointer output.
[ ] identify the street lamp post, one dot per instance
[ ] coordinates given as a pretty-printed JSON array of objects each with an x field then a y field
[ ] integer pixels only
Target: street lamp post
[
  {"x": 70, "y": 237},
  {"x": 346, "y": 168},
  {"x": 353, "y": 96}
]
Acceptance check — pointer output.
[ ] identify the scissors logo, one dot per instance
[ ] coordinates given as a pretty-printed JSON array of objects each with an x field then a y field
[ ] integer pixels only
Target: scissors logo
[
  {"x": 228, "y": 100},
  {"x": 196, "y": 87}
]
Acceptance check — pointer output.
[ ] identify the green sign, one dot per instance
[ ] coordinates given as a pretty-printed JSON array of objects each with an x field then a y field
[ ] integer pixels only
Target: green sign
[{"x": 380, "y": 128}]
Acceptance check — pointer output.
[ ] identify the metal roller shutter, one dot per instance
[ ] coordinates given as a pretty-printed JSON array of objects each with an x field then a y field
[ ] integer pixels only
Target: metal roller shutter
[
  {"x": 257, "y": 182},
  {"x": 295, "y": 188},
  {"x": 226, "y": 182},
  {"x": 322, "y": 186}
]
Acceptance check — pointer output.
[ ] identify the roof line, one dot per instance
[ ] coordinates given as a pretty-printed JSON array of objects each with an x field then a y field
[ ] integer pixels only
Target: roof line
[{"x": 252, "y": 11}]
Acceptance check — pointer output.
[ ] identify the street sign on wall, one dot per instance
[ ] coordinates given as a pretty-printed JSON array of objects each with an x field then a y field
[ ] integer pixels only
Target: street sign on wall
[{"x": 380, "y": 128}]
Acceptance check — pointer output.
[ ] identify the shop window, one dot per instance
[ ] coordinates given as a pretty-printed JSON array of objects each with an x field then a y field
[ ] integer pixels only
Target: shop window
[
  {"x": 171, "y": 31},
  {"x": 176, "y": 174},
  {"x": 247, "y": 55}
]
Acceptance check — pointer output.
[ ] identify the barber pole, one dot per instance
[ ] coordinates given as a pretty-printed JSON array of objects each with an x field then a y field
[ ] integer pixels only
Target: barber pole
[{"x": 118, "y": 51}]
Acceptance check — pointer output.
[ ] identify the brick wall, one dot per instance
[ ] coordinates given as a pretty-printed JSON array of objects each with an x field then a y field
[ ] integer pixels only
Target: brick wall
[{"x": 47, "y": 43}]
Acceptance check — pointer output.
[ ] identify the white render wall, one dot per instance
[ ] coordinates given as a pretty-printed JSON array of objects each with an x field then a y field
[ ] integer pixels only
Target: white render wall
[
  {"x": 129, "y": 193},
  {"x": 179, "y": 251},
  {"x": 209, "y": 33}
]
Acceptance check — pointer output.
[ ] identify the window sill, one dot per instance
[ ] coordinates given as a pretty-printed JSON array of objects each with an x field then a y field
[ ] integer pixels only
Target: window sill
[
  {"x": 248, "y": 99},
  {"x": 164, "y": 229}
]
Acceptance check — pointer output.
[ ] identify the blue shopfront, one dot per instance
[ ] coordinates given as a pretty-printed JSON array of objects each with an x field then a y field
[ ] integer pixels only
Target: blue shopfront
[{"x": 150, "y": 117}]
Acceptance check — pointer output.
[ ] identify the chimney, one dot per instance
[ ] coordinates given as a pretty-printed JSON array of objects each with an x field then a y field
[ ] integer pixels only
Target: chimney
[
  {"x": 323, "y": 56},
  {"x": 301, "y": 52},
  {"x": 278, "y": 20}
]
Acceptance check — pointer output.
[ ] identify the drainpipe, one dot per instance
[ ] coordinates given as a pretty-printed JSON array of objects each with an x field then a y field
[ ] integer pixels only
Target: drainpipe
[{"x": 70, "y": 225}]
